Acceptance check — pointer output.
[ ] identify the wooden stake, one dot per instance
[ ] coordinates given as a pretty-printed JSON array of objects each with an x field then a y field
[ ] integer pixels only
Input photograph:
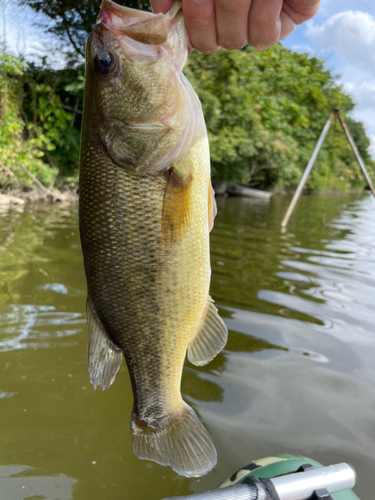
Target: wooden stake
[
  {"x": 307, "y": 171},
  {"x": 310, "y": 165}
]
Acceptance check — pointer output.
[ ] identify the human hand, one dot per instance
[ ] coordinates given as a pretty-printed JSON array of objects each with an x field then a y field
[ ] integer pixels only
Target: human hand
[{"x": 232, "y": 24}]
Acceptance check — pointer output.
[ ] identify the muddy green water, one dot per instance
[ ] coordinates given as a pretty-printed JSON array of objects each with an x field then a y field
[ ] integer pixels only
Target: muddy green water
[{"x": 297, "y": 375}]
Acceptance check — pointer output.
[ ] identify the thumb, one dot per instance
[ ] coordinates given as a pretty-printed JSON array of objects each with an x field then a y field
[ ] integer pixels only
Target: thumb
[{"x": 162, "y": 6}]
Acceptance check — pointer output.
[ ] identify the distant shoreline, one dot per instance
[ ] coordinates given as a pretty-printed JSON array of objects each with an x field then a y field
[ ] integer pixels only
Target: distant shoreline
[
  {"x": 19, "y": 197},
  {"x": 224, "y": 189},
  {"x": 325, "y": 192}
]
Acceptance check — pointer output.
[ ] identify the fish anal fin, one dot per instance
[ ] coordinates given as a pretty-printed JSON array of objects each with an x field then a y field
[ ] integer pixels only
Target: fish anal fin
[
  {"x": 178, "y": 440},
  {"x": 210, "y": 339},
  {"x": 104, "y": 358},
  {"x": 176, "y": 206},
  {"x": 212, "y": 207}
]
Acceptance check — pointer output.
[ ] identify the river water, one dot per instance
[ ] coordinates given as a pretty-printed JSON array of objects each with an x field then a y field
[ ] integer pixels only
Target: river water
[{"x": 297, "y": 375}]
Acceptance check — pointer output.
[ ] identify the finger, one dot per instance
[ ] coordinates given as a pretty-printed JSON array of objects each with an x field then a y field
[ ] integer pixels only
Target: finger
[
  {"x": 232, "y": 23},
  {"x": 264, "y": 23},
  {"x": 287, "y": 25},
  {"x": 162, "y": 6},
  {"x": 201, "y": 24},
  {"x": 300, "y": 11}
]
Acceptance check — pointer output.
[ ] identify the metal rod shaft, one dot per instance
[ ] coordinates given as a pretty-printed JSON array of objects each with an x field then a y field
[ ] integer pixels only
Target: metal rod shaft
[
  {"x": 307, "y": 171},
  {"x": 301, "y": 486},
  {"x": 356, "y": 152}
]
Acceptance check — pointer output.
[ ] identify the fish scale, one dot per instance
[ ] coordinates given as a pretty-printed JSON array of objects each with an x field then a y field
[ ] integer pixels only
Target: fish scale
[{"x": 141, "y": 290}]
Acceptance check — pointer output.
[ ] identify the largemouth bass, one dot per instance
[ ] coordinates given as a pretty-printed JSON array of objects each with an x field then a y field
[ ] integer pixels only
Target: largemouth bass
[{"x": 146, "y": 209}]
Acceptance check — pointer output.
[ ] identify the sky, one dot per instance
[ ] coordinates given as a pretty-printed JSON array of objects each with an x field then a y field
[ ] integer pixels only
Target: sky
[
  {"x": 342, "y": 33},
  {"x": 19, "y": 30}
]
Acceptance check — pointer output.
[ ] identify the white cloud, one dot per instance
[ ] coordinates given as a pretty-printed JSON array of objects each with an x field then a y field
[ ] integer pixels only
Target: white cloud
[
  {"x": 330, "y": 7},
  {"x": 351, "y": 34},
  {"x": 348, "y": 39},
  {"x": 363, "y": 94},
  {"x": 372, "y": 146}
]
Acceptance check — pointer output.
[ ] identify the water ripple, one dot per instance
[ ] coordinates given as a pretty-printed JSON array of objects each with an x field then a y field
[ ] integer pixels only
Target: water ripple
[{"x": 23, "y": 327}]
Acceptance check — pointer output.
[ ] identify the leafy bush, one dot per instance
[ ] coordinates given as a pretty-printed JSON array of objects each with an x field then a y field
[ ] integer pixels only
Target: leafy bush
[
  {"x": 36, "y": 132},
  {"x": 48, "y": 100},
  {"x": 265, "y": 112},
  {"x": 20, "y": 146}
]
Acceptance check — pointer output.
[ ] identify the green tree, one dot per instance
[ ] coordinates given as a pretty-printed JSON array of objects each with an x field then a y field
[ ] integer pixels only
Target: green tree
[
  {"x": 52, "y": 101},
  {"x": 358, "y": 132},
  {"x": 21, "y": 146},
  {"x": 73, "y": 20},
  {"x": 265, "y": 112}
]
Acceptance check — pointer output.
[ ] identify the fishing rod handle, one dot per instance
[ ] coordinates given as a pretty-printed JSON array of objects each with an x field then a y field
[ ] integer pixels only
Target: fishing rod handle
[
  {"x": 296, "y": 486},
  {"x": 301, "y": 485}
]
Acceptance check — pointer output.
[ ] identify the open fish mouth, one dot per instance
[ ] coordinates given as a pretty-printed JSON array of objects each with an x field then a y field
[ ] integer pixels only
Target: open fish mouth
[
  {"x": 143, "y": 36},
  {"x": 144, "y": 27}
]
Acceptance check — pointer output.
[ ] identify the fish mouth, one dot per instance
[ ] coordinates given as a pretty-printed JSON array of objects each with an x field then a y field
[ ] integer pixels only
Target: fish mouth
[
  {"x": 113, "y": 14},
  {"x": 142, "y": 36},
  {"x": 145, "y": 27}
]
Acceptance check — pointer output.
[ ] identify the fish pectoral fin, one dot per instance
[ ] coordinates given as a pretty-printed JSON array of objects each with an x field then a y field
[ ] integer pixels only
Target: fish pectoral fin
[
  {"x": 104, "y": 358},
  {"x": 176, "y": 206},
  {"x": 211, "y": 338},
  {"x": 212, "y": 207},
  {"x": 178, "y": 440}
]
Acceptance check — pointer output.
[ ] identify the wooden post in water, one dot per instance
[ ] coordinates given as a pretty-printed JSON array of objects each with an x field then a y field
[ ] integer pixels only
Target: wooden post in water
[
  {"x": 355, "y": 151},
  {"x": 310, "y": 165},
  {"x": 307, "y": 171}
]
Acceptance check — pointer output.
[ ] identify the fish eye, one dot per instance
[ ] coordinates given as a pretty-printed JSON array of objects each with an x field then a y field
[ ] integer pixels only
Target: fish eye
[{"x": 104, "y": 62}]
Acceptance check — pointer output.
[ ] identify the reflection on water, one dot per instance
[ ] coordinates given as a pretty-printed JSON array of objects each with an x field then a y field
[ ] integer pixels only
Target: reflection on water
[
  {"x": 4, "y": 395},
  {"x": 30, "y": 326},
  {"x": 19, "y": 481},
  {"x": 297, "y": 374}
]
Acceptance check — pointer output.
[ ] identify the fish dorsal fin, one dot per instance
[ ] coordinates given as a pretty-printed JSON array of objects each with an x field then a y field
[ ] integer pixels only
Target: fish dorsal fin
[
  {"x": 176, "y": 206},
  {"x": 210, "y": 339},
  {"x": 104, "y": 358},
  {"x": 212, "y": 207},
  {"x": 152, "y": 31}
]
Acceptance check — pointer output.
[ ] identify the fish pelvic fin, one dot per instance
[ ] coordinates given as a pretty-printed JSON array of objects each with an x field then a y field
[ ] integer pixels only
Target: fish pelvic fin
[
  {"x": 104, "y": 358},
  {"x": 211, "y": 338},
  {"x": 179, "y": 440}
]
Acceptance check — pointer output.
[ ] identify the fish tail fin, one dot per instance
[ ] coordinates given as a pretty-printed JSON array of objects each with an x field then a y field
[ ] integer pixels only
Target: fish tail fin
[{"x": 179, "y": 440}]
